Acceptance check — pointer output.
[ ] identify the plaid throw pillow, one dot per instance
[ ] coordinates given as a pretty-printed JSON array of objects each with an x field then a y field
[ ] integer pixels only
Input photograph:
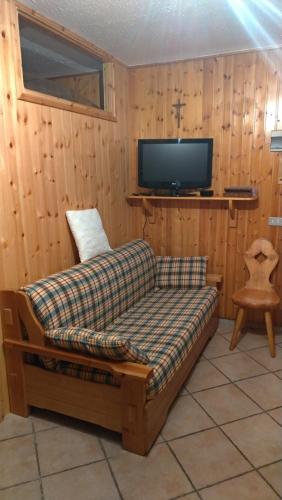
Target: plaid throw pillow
[
  {"x": 99, "y": 344},
  {"x": 181, "y": 272}
]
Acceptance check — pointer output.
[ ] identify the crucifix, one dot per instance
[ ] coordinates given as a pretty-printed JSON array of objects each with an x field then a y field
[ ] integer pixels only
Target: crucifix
[{"x": 178, "y": 107}]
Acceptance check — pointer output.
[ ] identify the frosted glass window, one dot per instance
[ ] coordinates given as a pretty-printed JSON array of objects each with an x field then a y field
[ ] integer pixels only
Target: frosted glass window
[{"x": 54, "y": 66}]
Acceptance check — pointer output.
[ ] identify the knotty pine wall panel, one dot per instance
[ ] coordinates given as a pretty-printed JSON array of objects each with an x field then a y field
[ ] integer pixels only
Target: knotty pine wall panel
[
  {"x": 236, "y": 100},
  {"x": 52, "y": 160}
]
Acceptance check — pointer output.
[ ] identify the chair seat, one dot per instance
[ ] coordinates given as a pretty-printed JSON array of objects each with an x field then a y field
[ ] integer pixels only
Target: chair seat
[{"x": 256, "y": 299}]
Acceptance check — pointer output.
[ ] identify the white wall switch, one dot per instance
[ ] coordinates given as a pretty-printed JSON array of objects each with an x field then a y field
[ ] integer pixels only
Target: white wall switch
[{"x": 275, "y": 221}]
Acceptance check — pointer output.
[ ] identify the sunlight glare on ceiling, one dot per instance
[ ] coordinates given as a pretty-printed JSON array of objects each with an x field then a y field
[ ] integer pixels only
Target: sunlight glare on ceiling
[{"x": 256, "y": 31}]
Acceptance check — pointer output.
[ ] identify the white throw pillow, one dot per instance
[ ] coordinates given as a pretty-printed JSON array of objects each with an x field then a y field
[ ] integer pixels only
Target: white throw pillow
[{"x": 88, "y": 232}]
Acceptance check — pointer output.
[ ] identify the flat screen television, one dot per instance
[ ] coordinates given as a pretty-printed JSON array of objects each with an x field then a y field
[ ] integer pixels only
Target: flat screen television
[{"x": 175, "y": 163}]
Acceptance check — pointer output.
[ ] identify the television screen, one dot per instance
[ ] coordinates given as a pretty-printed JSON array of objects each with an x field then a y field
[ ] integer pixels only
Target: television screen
[{"x": 166, "y": 163}]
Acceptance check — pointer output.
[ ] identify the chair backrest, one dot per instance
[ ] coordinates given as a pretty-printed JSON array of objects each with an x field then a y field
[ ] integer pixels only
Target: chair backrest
[{"x": 260, "y": 271}]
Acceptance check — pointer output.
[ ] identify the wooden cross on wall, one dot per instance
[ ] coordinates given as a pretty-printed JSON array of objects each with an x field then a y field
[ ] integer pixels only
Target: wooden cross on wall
[{"x": 178, "y": 107}]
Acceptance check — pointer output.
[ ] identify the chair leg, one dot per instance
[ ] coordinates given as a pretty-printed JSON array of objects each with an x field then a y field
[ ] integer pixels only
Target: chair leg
[
  {"x": 237, "y": 328},
  {"x": 270, "y": 333}
]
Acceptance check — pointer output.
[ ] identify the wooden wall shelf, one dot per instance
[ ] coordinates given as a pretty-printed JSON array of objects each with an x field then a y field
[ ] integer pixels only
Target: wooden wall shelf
[{"x": 231, "y": 202}]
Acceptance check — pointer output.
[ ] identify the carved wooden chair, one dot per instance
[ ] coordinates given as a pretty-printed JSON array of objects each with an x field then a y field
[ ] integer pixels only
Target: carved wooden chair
[{"x": 258, "y": 292}]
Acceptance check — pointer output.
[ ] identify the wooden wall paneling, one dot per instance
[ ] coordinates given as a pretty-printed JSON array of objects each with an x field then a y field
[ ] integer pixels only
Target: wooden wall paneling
[
  {"x": 236, "y": 100},
  {"x": 273, "y": 61},
  {"x": 118, "y": 157},
  {"x": 246, "y": 218},
  {"x": 3, "y": 383},
  {"x": 65, "y": 191},
  {"x": 53, "y": 160},
  {"x": 75, "y": 173},
  {"x": 12, "y": 225},
  {"x": 191, "y": 86},
  {"x": 11, "y": 245},
  {"x": 278, "y": 238},
  {"x": 221, "y": 131},
  {"x": 235, "y": 76},
  {"x": 30, "y": 157},
  {"x": 110, "y": 87}
]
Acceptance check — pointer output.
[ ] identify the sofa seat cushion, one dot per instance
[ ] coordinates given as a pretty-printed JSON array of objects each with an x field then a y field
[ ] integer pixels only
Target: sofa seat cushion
[{"x": 164, "y": 325}]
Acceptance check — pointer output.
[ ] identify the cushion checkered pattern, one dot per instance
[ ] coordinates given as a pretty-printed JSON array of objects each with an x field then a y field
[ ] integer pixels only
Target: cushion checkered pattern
[
  {"x": 181, "y": 272},
  {"x": 96, "y": 292},
  {"x": 164, "y": 325},
  {"x": 100, "y": 344}
]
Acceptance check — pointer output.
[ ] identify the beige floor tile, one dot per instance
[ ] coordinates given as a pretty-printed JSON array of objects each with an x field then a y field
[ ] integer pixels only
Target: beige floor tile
[
  {"x": 204, "y": 376},
  {"x": 227, "y": 335},
  {"x": 91, "y": 482},
  {"x": 258, "y": 437},
  {"x": 185, "y": 417},
  {"x": 273, "y": 474},
  {"x": 248, "y": 487},
  {"x": 266, "y": 390},
  {"x": 159, "y": 439},
  {"x": 17, "y": 461},
  {"x": 62, "y": 448},
  {"x": 277, "y": 331},
  {"x": 190, "y": 496},
  {"x": 218, "y": 346},
  {"x": 279, "y": 373},
  {"x": 252, "y": 340},
  {"x": 209, "y": 457},
  {"x": 238, "y": 366},
  {"x": 13, "y": 425},
  {"x": 43, "y": 419},
  {"x": 277, "y": 415},
  {"x": 262, "y": 356},
  {"x": 155, "y": 477},
  {"x": 226, "y": 403},
  {"x": 278, "y": 335},
  {"x": 28, "y": 491},
  {"x": 225, "y": 325},
  {"x": 112, "y": 442}
]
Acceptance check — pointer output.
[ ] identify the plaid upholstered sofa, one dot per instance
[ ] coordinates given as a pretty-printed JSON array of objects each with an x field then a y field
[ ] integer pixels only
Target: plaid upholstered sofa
[{"x": 110, "y": 340}]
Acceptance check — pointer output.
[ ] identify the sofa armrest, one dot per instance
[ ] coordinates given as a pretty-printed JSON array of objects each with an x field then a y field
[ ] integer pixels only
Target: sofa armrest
[
  {"x": 118, "y": 369},
  {"x": 214, "y": 280},
  {"x": 181, "y": 272}
]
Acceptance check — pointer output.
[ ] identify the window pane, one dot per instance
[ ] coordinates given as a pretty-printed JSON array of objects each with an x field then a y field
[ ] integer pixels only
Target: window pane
[{"x": 55, "y": 66}]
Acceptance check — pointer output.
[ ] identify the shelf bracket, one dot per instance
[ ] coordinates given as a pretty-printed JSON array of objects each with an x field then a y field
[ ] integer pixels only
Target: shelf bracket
[
  {"x": 233, "y": 213},
  {"x": 231, "y": 209},
  {"x": 147, "y": 206}
]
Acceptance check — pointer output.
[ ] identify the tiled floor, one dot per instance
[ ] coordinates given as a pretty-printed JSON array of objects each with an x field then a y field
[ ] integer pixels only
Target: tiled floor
[{"x": 222, "y": 440}]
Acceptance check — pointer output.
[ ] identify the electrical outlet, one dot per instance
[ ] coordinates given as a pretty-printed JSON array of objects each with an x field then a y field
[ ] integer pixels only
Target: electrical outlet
[{"x": 275, "y": 221}]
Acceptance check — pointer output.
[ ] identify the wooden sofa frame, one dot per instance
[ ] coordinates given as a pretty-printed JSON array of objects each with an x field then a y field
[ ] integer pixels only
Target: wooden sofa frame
[{"x": 124, "y": 409}]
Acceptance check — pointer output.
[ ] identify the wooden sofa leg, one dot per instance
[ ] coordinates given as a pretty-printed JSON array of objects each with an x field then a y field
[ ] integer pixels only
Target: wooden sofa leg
[
  {"x": 133, "y": 415},
  {"x": 16, "y": 382}
]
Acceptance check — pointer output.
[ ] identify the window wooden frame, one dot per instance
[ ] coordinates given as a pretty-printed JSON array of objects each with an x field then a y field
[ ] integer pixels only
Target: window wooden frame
[{"x": 108, "y": 113}]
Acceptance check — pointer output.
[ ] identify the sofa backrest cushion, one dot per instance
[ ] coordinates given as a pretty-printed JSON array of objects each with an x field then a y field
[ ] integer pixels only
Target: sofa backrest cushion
[
  {"x": 181, "y": 272},
  {"x": 94, "y": 293}
]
